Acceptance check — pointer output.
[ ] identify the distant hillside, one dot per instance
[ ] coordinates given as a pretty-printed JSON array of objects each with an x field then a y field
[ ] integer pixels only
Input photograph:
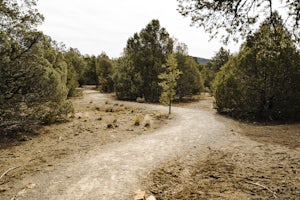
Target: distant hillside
[{"x": 202, "y": 60}]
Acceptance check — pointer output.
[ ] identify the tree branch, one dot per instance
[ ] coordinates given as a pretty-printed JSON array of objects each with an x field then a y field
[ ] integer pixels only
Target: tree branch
[
  {"x": 33, "y": 42},
  {"x": 262, "y": 186},
  {"x": 10, "y": 169}
]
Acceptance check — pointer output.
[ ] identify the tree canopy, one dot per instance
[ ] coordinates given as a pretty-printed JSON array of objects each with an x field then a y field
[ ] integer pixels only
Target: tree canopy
[
  {"x": 214, "y": 65},
  {"x": 190, "y": 82},
  {"x": 239, "y": 17},
  {"x": 104, "y": 72},
  {"x": 146, "y": 52},
  {"x": 33, "y": 78},
  {"x": 263, "y": 81}
]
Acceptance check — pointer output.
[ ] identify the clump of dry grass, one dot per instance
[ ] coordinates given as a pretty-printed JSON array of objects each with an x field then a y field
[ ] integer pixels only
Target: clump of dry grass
[
  {"x": 78, "y": 92},
  {"x": 161, "y": 116},
  {"x": 118, "y": 109},
  {"x": 140, "y": 100},
  {"x": 147, "y": 121},
  {"x": 112, "y": 108},
  {"x": 97, "y": 108},
  {"x": 108, "y": 109},
  {"x": 112, "y": 123},
  {"x": 138, "y": 119},
  {"x": 132, "y": 109}
]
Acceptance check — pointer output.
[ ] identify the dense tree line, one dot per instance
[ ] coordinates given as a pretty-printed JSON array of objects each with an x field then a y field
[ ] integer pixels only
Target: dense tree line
[
  {"x": 144, "y": 55},
  {"x": 137, "y": 71},
  {"x": 33, "y": 71},
  {"x": 38, "y": 75},
  {"x": 262, "y": 81},
  {"x": 105, "y": 71},
  {"x": 213, "y": 66}
]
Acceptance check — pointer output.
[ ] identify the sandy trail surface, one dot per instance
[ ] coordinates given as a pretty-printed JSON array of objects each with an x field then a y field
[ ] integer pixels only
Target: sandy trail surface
[{"x": 114, "y": 171}]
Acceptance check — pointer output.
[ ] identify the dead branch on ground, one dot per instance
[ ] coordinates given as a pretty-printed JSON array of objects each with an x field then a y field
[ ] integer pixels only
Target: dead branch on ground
[
  {"x": 10, "y": 169},
  {"x": 262, "y": 186}
]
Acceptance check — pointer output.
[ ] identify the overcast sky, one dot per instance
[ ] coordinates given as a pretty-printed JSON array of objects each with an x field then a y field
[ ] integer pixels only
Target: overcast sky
[{"x": 94, "y": 26}]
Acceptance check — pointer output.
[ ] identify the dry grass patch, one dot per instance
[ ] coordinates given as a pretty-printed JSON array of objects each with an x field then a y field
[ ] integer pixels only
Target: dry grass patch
[
  {"x": 92, "y": 125},
  {"x": 147, "y": 121},
  {"x": 138, "y": 119}
]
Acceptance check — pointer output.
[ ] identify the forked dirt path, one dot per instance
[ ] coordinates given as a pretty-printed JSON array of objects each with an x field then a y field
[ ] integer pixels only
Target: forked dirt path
[{"x": 113, "y": 171}]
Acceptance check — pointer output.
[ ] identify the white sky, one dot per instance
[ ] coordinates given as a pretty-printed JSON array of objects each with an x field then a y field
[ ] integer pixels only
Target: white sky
[{"x": 94, "y": 26}]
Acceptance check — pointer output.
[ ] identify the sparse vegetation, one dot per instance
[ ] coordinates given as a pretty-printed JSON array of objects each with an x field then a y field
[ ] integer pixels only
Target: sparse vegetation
[
  {"x": 112, "y": 123},
  {"x": 138, "y": 119},
  {"x": 97, "y": 108},
  {"x": 109, "y": 108},
  {"x": 140, "y": 100},
  {"x": 161, "y": 116},
  {"x": 89, "y": 128},
  {"x": 147, "y": 121}
]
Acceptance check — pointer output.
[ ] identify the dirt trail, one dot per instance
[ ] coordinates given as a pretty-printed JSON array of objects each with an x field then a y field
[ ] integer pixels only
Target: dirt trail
[{"x": 113, "y": 171}]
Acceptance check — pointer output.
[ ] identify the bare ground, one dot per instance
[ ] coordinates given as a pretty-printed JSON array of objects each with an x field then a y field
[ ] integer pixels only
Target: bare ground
[
  {"x": 198, "y": 154},
  {"x": 261, "y": 162},
  {"x": 94, "y": 124}
]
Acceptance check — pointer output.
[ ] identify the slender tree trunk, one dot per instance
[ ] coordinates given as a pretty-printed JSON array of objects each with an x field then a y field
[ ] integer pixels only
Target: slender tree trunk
[{"x": 170, "y": 105}]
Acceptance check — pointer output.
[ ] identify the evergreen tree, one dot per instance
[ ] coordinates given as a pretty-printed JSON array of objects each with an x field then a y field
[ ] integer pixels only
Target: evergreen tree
[
  {"x": 105, "y": 73},
  {"x": 90, "y": 73},
  {"x": 76, "y": 68},
  {"x": 190, "y": 82},
  {"x": 263, "y": 80},
  {"x": 127, "y": 82},
  {"x": 147, "y": 52},
  {"x": 33, "y": 73},
  {"x": 169, "y": 81},
  {"x": 214, "y": 65}
]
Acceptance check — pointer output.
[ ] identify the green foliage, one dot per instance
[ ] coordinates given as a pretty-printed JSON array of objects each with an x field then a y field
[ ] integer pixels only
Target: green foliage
[
  {"x": 169, "y": 81},
  {"x": 145, "y": 53},
  {"x": 33, "y": 89},
  {"x": 238, "y": 18},
  {"x": 190, "y": 82},
  {"x": 72, "y": 81},
  {"x": 89, "y": 76},
  {"x": 76, "y": 68},
  {"x": 214, "y": 65},
  {"x": 263, "y": 81},
  {"x": 105, "y": 73},
  {"x": 128, "y": 82},
  {"x": 33, "y": 73}
]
